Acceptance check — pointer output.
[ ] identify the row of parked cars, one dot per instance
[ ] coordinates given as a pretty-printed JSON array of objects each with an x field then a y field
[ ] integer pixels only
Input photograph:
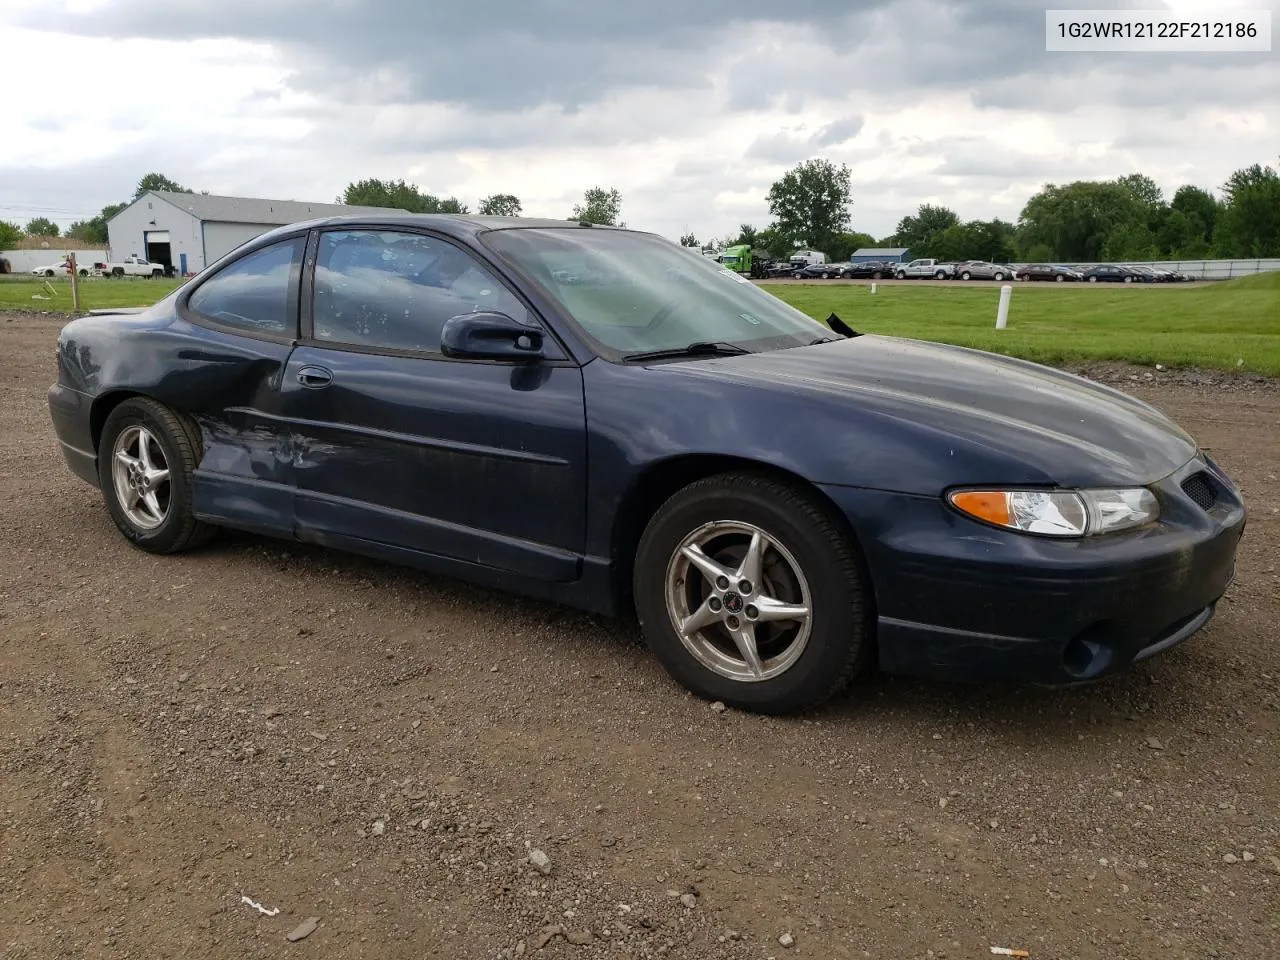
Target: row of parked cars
[{"x": 975, "y": 270}]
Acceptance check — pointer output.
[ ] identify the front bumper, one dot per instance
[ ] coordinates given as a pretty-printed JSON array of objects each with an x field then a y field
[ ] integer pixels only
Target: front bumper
[{"x": 957, "y": 599}]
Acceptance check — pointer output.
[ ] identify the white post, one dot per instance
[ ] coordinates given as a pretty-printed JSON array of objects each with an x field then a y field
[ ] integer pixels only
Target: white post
[
  {"x": 1002, "y": 312},
  {"x": 873, "y": 287}
]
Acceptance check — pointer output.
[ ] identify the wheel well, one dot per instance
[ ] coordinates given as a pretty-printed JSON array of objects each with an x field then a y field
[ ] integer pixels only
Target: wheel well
[
  {"x": 101, "y": 409},
  {"x": 659, "y": 482}
]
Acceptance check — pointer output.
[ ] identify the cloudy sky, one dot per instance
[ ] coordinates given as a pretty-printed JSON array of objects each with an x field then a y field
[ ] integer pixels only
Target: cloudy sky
[{"x": 690, "y": 108}]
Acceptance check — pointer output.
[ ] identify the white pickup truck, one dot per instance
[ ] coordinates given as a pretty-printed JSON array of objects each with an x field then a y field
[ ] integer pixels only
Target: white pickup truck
[
  {"x": 132, "y": 266},
  {"x": 919, "y": 269}
]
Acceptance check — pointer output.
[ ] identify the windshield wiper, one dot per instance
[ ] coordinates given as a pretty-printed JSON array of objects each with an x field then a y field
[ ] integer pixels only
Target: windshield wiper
[{"x": 699, "y": 348}]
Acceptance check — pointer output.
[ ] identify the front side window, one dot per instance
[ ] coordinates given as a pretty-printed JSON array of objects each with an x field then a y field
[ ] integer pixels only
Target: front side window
[
  {"x": 633, "y": 292},
  {"x": 253, "y": 293},
  {"x": 390, "y": 290}
]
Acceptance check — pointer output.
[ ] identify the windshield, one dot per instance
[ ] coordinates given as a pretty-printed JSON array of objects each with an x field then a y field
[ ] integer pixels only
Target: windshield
[{"x": 637, "y": 293}]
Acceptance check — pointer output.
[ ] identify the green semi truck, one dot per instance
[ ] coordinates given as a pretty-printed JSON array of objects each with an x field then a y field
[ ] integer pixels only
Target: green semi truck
[{"x": 743, "y": 259}]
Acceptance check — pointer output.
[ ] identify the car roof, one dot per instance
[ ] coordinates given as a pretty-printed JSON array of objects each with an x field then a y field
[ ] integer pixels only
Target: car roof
[{"x": 452, "y": 223}]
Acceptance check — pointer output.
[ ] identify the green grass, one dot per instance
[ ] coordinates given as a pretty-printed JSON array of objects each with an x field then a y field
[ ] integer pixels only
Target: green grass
[
  {"x": 16, "y": 292},
  {"x": 1195, "y": 324}
]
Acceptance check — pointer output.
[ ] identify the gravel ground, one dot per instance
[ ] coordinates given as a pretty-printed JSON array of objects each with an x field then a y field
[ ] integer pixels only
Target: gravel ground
[{"x": 431, "y": 770}]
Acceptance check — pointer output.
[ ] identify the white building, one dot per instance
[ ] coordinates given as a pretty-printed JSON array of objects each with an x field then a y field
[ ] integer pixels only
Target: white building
[{"x": 189, "y": 231}]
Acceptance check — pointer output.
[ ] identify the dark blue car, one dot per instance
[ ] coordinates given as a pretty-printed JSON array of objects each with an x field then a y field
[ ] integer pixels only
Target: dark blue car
[{"x": 600, "y": 417}]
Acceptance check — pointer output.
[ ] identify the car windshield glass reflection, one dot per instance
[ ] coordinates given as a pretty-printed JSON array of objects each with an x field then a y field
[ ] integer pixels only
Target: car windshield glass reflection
[{"x": 637, "y": 293}]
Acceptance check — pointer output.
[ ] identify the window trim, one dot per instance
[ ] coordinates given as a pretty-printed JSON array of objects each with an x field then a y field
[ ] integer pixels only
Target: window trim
[
  {"x": 289, "y": 336},
  {"x": 306, "y": 329}
]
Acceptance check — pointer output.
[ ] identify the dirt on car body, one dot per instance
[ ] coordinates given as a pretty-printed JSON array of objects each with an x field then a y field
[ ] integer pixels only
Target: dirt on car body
[{"x": 430, "y": 769}]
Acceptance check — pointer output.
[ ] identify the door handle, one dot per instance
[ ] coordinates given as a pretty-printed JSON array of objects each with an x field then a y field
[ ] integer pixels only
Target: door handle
[{"x": 315, "y": 377}]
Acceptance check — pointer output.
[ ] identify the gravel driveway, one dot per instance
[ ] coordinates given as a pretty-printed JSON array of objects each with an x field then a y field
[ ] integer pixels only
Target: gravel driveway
[{"x": 387, "y": 752}]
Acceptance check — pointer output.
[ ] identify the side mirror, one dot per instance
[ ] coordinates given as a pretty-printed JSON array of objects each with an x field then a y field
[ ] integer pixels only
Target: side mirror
[{"x": 490, "y": 336}]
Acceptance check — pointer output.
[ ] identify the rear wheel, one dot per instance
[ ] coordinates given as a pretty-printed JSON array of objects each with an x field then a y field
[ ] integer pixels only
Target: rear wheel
[
  {"x": 966, "y": 275},
  {"x": 998, "y": 277},
  {"x": 940, "y": 275},
  {"x": 48, "y": 273},
  {"x": 146, "y": 459},
  {"x": 749, "y": 593},
  {"x": 876, "y": 275},
  {"x": 1128, "y": 279},
  {"x": 1093, "y": 279},
  {"x": 1060, "y": 278}
]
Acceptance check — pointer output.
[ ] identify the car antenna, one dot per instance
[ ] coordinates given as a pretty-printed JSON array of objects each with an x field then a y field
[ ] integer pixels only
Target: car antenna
[{"x": 840, "y": 327}]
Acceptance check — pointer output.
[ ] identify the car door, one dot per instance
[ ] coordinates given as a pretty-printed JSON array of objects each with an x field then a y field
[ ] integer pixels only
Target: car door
[
  {"x": 244, "y": 318},
  {"x": 479, "y": 462}
]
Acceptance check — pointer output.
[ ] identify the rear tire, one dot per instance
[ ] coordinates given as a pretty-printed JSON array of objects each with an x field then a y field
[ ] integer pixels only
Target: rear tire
[
  {"x": 140, "y": 439},
  {"x": 807, "y": 562},
  {"x": 1093, "y": 279},
  {"x": 1060, "y": 278},
  {"x": 966, "y": 275}
]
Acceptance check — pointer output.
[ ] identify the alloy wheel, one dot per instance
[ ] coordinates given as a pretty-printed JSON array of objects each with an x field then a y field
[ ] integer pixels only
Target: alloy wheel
[
  {"x": 739, "y": 601},
  {"x": 140, "y": 475}
]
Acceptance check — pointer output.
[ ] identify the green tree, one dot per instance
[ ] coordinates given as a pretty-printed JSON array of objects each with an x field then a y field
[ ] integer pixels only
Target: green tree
[
  {"x": 42, "y": 227},
  {"x": 399, "y": 195},
  {"x": 919, "y": 233},
  {"x": 94, "y": 230},
  {"x": 845, "y": 244},
  {"x": 1194, "y": 201},
  {"x": 1182, "y": 236},
  {"x": 775, "y": 241},
  {"x": 10, "y": 234},
  {"x": 1250, "y": 221},
  {"x": 598, "y": 206},
  {"x": 501, "y": 205},
  {"x": 158, "y": 181},
  {"x": 811, "y": 202},
  {"x": 747, "y": 234},
  {"x": 689, "y": 240},
  {"x": 1130, "y": 241},
  {"x": 1074, "y": 220}
]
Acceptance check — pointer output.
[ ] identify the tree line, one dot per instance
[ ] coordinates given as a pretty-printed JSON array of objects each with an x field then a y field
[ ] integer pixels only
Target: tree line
[{"x": 1127, "y": 218}]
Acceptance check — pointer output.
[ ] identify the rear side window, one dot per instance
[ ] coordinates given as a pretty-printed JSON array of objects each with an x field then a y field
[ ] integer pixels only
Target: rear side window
[
  {"x": 255, "y": 293},
  {"x": 386, "y": 290}
]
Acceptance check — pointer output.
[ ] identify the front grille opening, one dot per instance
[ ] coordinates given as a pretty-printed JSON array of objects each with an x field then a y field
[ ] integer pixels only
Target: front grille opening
[{"x": 1200, "y": 488}]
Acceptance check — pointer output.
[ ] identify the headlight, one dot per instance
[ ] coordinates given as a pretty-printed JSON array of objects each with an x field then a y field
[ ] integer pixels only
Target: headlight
[{"x": 1060, "y": 513}]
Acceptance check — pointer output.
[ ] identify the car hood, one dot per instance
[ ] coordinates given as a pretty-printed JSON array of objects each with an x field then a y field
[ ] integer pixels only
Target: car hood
[{"x": 1070, "y": 430}]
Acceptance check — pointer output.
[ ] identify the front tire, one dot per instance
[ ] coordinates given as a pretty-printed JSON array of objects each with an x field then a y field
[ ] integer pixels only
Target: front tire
[
  {"x": 749, "y": 593},
  {"x": 146, "y": 459},
  {"x": 902, "y": 275},
  {"x": 1093, "y": 279}
]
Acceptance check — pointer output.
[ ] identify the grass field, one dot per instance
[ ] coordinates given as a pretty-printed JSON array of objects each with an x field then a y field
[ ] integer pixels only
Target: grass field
[
  {"x": 16, "y": 292},
  {"x": 1204, "y": 324}
]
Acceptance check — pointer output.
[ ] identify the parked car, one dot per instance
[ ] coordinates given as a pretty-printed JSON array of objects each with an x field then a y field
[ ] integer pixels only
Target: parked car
[
  {"x": 780, "y": 503},
  {"x": 918, "y": 269},
  {"x": 819, "y": 271},
  {"x": 780, "y": 268},
  {"x": 63, "y": 269},
  {"x": 870, "y": 270},
  {"x": 1149, "y": 274},
  {"x": 982, "y": 270},
  {"x": 1048, "y": 271},
  {"x": 1111, "y": 273}
]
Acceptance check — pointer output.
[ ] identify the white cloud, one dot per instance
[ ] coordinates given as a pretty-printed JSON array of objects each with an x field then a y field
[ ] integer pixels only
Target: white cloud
[{"x": 691, "y": 116}]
